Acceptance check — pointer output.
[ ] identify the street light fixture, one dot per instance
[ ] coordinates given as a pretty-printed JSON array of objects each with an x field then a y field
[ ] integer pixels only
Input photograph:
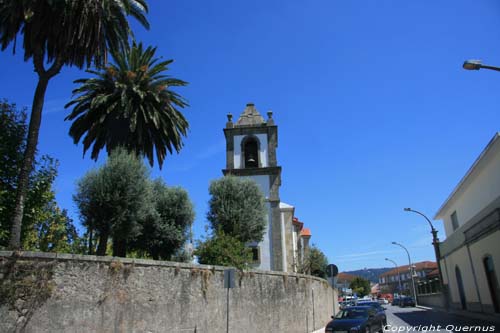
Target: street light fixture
[
  {"x": 435, "y": 240},
  {"x": 399, "y": 275},
  {"x": 476, "y": 65},
  {"x": 410, "y": 267}
]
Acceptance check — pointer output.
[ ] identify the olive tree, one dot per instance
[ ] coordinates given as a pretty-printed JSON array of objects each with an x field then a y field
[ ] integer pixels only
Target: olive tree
[
  {"x": 237, "y": 208},
  {"x": 114, "y": 199},
  {"x": 167, "y": 228}
]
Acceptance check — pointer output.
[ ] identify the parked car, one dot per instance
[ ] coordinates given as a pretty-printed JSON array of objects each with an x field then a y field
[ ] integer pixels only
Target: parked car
[
  {"x": 346, "y": 304},
  {"x": 406, "y": 301},
  {"x": 395, "y": 301},
  {"x": 355, "y": 318},
  {"x": 383, "y": 301},
  {"x": 381, "y": 316}
]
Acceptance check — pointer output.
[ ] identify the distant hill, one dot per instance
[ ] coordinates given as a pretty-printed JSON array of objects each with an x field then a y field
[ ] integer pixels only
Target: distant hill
[{"x": 370, "y": 274}]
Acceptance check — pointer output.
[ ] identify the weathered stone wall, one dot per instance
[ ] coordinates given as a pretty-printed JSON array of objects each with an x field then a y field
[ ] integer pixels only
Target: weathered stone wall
[
  {"x": 433, "y": 300},
  {"x": 41, "y": 292}
]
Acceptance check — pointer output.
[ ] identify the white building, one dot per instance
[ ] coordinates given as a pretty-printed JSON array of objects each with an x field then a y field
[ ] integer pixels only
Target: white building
[{"x": 470, "y": 255}]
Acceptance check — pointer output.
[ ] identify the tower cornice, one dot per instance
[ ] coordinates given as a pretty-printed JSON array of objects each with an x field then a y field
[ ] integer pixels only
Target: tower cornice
[{"x": 276, "y": 170}]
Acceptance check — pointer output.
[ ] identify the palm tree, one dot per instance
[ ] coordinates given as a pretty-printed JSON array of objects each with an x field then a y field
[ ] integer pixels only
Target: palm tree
[
  {"x": 59, "y": 33},
  {"x": 129, "y": 104}
]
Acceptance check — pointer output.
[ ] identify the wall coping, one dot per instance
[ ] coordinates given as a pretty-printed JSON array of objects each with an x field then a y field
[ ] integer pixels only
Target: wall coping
[{"x": 140, "y": 262}]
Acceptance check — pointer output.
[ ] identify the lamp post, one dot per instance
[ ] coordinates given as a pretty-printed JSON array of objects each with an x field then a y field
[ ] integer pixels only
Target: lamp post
[
  {"x": 435, "y": 240},
  {"x": 475, "y": 65},
  {"x": 411, "y": 271},
  {"x": 397, "y": 270}
]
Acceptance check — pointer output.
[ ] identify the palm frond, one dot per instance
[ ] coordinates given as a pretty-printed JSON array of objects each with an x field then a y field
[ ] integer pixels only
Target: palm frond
[{"x": 129, "y": 104}]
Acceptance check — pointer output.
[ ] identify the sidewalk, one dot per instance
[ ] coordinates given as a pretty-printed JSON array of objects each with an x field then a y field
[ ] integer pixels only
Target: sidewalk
[
  {"x": 320, "y": 331},
  {"x": 472, "y": 315}
]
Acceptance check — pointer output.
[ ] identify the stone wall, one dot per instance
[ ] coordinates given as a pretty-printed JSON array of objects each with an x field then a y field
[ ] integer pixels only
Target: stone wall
[
  {"x": 432, "y": 300},
  {"x": 42, "y": 292}
]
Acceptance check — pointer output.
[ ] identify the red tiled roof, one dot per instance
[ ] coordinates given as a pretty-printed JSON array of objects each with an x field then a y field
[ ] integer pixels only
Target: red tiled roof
[
  {"x": 419, "y": 266},
  {"x": 341, "y": 277},
  {"x": 433, "y": 273},
  {"x": 305, "y": 232},
  {"x": 297, "y": 222}
]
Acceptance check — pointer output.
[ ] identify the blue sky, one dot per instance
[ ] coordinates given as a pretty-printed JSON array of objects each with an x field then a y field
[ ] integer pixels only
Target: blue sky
[{"x": 373, "y": 109}]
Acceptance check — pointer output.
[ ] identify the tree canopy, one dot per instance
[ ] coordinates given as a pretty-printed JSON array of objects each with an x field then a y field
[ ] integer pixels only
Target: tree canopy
[
  {"x": 114, "y": 199},
  {"x": 75, "y": 33},
  {"x": 167, "y": 228},
  {"x": 130, "y": 104},
  {"x": 118, "y": 201},
  {"x": 315, "y": 263},
  {"x": 46, "y": 227},
  {"x": 237, "y": 209},
  {"x": 223, "y": 250},
  {"x": 360, "y": 286}
]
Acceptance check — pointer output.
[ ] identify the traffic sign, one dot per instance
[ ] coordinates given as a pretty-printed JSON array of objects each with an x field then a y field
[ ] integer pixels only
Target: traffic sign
[{"x": 332, "y": 270}]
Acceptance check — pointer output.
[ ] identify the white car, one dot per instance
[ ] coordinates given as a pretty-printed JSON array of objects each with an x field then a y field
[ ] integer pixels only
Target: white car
[{"x": 383, "y": 301}]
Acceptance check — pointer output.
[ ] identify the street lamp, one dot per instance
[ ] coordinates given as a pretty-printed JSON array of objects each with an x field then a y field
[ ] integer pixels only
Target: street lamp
[
  {"x": 435, "y": 240},
  {"x": 411, "y": 270},
  {"x": 397, "y": 270},
  {"x": 476, "y": 65}
]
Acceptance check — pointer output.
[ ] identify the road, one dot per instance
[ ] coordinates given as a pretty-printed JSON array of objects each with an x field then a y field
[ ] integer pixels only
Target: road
[{"x": 421, "y": 320}]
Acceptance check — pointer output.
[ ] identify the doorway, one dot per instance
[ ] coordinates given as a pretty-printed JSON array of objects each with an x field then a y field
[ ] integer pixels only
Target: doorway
[
  {"x": 460, "y": 286},
  {"x": 492, "y": 282}
]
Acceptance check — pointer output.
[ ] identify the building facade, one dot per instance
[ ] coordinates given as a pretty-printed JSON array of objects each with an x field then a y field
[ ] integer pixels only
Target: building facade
[
  {"x": 470, "y": 254},
  {"x": 390, "y": 281},
  {"x": 251, "y": 144}
]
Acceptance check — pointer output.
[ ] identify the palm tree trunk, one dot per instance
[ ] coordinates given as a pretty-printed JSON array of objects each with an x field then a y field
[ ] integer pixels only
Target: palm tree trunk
[
  {"x": 28, "y": 160},
  {"x": 29, "y": 154}
]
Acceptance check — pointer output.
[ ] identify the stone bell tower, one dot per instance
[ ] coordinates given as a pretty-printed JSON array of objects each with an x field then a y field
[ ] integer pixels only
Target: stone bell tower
[{"x": 251, "y": 145}]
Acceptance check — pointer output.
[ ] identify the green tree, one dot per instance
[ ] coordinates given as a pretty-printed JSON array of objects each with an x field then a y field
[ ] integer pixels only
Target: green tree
[
  {"x": 59, "y": 33},
  {"x": 12, "y": 142},
  {"x": 46, "y": 227},
  {"x": 130, "y": 104},
  {"x": 54, "y": 233},
  {"x": 360, "y": 286},
  {"x": 223, "y": 250},
  {"x": 114, "y": 199},
  {"x": 237, "y": 208},
  {"x": 167, "y": 228},
  {"x": 315, "y": 263}
]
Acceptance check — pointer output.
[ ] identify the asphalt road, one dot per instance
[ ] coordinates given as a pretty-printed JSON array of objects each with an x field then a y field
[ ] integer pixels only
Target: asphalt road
[{"x": 421, "y": 320}]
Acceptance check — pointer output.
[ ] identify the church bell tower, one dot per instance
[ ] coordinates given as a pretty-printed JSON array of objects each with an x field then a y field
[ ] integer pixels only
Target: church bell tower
[{"x": 251, "y": 145}]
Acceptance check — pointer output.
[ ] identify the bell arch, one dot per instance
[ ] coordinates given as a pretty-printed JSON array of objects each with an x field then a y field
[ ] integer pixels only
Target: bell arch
[{"x": 250, "y": 148}]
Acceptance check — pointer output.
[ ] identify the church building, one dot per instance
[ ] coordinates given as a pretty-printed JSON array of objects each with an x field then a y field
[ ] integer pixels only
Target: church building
[{"x": 251, "y": 145}]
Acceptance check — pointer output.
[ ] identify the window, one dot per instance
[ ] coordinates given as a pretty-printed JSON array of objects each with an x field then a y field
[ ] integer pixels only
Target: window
[
  {"x": 454, "y": 221},
  {"x": 255, "y": 254}
]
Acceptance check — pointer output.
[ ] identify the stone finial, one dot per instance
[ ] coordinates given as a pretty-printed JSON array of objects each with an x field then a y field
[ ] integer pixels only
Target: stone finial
[
  {"x": 229, "y": 123},
  {"x": 270, "y": 120}
]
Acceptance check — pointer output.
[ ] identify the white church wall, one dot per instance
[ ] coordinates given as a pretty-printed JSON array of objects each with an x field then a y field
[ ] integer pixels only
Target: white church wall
[
  {"x": 265, "y": 245},
  {"x": 262, "y": 151}
]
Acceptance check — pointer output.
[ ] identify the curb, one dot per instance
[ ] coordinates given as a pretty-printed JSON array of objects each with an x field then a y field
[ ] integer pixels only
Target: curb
[
  {"x": 321, "y": 330},
  {"x": 472, "y": 315}
]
